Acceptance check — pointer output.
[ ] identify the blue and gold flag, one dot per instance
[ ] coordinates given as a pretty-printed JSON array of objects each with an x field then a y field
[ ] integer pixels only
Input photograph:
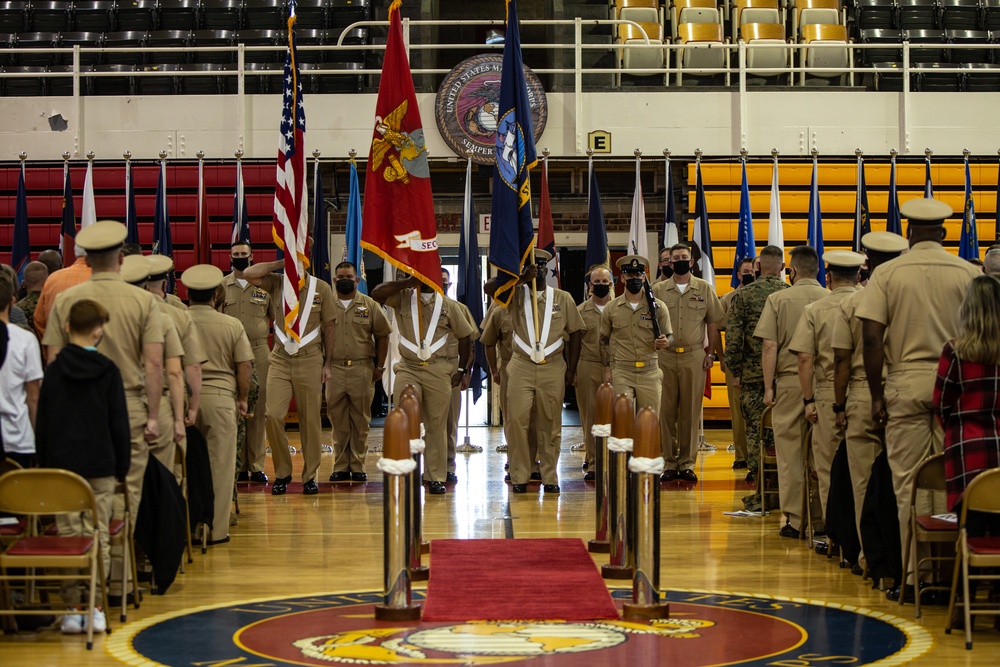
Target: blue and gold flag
[
  {"x": 20, "y": 249},
  {"x": 746, "y": 246},
  {"x": 968, "y": 244},
  {"x": 512, "y": 234},
  {"x": 893, "y": 220},
  {"x": 597, "y": 233},
  {"x": 816, "y": 219}
]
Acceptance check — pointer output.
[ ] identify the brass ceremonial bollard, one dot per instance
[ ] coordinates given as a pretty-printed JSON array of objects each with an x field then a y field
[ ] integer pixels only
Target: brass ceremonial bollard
[
  {"x": 646, "y": 464},
  {"x": 396, "y": 465},
  {"x": 603, "y": 404},
  {"x": 409, "y": 404},
  {"x": 417, "y": 450},
  {"x": 619, "y": 446}
]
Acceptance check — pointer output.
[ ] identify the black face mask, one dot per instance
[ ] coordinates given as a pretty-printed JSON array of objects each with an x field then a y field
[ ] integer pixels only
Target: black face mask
[
  {"x": 634, "y": 285},
  {"x": 601, "y": 291},
  {"x": 682, "y": 267},
  {"x": 240, "y": 263},
  {"x": 666, "y": 272},
  {"x": 747, "y": 278},
  {"x": 865, "y": 274},
  {"x": 344, "y": 286}
]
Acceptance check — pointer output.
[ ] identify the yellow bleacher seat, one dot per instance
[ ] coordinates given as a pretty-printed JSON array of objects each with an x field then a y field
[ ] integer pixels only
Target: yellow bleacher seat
[
  {"x": 703, "y": 48},
  {"x": 693, "y": 11},
  {"x": 765, "y": 34},
  {"x": 826, "y": 57},
  {"x": 641, "y": 55}
]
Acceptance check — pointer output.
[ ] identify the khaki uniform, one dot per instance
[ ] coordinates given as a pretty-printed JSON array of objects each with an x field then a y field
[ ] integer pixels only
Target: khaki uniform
[
  {"x": 350, "y": 391},
  {"x": 589, "y": 372},
  {"x": 164, "y": 449},
  {"x": 683, "y": 374},
  {"x": 631, "y": 348},
  {"x": 733, "y": 392},
  {"x": 814, "y": 336},
  {"x": 175, "y": 301},
  {"x": 253, "y": 307},
  {"x": 781, "y": 315},
  {"x": 226, "y": 345},
  {"x": 535, "y": 389},
  {"x": 455, "y": 407},
  {"x": 135, "y": 321},
  {"x": 864, "y": 443},
  {"x": 299, "y": 375},
  {"x": 917, "y": 297},
  {"x": 431, "y": 377}
]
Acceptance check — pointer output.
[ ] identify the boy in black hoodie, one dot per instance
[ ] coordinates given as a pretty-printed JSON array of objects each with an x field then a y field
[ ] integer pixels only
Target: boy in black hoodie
[{"x": 83, "y": 427}]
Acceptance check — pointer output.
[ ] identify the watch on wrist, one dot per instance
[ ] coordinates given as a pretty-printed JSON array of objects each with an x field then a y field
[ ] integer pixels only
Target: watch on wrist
[
  {"x": 839, "y": 407},
  {"x": 808, "y": 401},
  {"x": 461, "y": 370}
]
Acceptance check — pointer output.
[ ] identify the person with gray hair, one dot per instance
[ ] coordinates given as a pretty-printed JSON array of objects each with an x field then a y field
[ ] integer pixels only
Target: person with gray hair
[{"x": 991, "y": 263}]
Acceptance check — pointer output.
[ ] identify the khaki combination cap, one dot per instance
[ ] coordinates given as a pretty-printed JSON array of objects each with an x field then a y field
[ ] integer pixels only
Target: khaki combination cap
[
  {"x": 542, "y": 256},
  {"x": 632, "y": 264},
  {"x": 102, "y": 236},
  {"x": 159, "y": 265},
  {"x": 202, "y": 276},
  {"x": 844, "y": 258},
  {"x": 884, "y": 242},
  {"x": 135, "y": 269},
  {"x": 926, "y": 211}
]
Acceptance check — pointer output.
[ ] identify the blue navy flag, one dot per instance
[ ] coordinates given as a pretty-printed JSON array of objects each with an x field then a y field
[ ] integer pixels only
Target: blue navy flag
[
  {"x": 968, "y": 244},
  {"x": 816, "y": 220},
  {"x": 512, "y": 235},
  {"x": 745, "y": 244},
  {"x": 893, "y": 221},
  {"x": 320, "y": 242},
  {"x": 352, "y": 243},
  {"x": 597, "y": 233},
  {"x": 928, "y": 186},
  {"x": 241, "y": 218},
  {"x": 470, "y": 284},
  {"x": 162, "y": 242},
  {"x": 131, "y": 224},
  {"x": 862, "y": 222},
  {"x": 20, "y": 249}
]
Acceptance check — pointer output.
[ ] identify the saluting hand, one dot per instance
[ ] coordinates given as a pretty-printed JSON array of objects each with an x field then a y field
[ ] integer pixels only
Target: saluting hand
[{"x": 662, "y": 342}]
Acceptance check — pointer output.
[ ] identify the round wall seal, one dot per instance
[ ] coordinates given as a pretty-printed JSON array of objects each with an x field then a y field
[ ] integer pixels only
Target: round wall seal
[{"x": 466, "y": 106}]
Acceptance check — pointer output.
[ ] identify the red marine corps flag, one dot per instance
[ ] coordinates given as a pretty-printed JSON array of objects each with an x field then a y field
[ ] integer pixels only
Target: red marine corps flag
[{"x": 399, "y": 223}]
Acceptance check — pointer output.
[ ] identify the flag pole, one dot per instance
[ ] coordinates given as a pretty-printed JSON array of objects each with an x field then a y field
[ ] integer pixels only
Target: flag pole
[
  {"x": 467, "y": 445},
  {"x": 316, "y": 154},
  {"x": 534, "y": 299}
]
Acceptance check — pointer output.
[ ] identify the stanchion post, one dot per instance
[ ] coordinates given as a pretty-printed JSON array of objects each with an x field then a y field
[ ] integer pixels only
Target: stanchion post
[
  {"x": 410, "y": 404},
  {"x": 396, "y": 464},
  {"x": 603, "y": 405},
  {"x": 647, "y": 465},
  {"x": 619, "y": 446},
  {"x": 416, "y": 489}
]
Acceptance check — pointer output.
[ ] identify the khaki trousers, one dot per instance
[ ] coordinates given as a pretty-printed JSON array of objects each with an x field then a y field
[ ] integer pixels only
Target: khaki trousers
[
  {"x": 589, "y": 376},
  {"x": 433, "y": 385},
  {"x": 826, "y": 439},
  {"x": 535, "y": 392},
  {"x": 164, "y": 449},
  {"x": 217, "y": 422},
  {"x": 864, "y": 444},
  {"x": 71, "y": 525},
  {"x": 300, "y": 377},
  {"x": 912, "y": 433},
  {"x": 140, "y": 450},
  {"x": 643, "y": 386},
  {"x": 788, "y": 420},
  {"x": 532, "y": 431},
  {"x": 680, "y": 407},
  {"x": 736, "y": 415},
  {"x": 454, "y": 413},
  {"x": 254, "y": 448},
  {"x": 349, "y": 395}
]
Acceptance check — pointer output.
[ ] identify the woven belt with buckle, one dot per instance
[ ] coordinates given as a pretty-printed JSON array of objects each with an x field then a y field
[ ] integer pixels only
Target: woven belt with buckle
[
  {"x": 350, "y": 362},
  {"x": 678, "y": 350},
  {"x": 423, "y": 363}
]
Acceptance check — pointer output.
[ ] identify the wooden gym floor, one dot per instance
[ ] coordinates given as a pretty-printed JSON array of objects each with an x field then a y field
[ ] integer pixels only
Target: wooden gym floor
[{"x": 297, "y": 545}]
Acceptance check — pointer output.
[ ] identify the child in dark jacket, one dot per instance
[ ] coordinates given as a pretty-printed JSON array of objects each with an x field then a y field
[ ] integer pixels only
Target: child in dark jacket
[{"x": 83, "y": 427}]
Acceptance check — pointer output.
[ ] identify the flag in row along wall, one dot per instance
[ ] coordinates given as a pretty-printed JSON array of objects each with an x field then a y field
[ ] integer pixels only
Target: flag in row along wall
[
  {"x": 701, "y": 255},
  {"x": 996, "y": 234},
  {"x": 862, "y": 222},
  {"x": 546, "y": 234},
  {"x": 745, "y": 244},
  {"x": 470, "y": 286},
  {"x": 597, "y": 234},
  {"x": 637, "y": 243},
  {"x": 671, "y": 237},
  {"x": 163, "y": 243},
  {"x": 968, "y": 244},
  {"x": 20, "y": 249},
  {"x": 893, "y": 220},
  {"x": 815, "y": 223},
  {"x": 320, "y": 256},
  {"x": 352, "y": 236},
  {"x": 67, "y": 231},
  {"x": 131, "y": 224},
  {"x": 928, "y": 186},
  {"x": 241, "y": 218},
  {"x": 203, "y": 243},
  {"x": 775, "y": 228},
  {"x": 88, "y": 210}
]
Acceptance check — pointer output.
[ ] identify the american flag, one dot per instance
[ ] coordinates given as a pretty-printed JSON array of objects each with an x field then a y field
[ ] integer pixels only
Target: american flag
[{"x": 290, "y": 226}]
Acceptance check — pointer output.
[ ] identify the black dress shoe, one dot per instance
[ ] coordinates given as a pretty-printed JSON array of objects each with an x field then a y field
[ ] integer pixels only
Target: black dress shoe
[
  {"x": 224, "y": 540},
  {"x": 688, "y": 475},
  {"x": 341, "y": 476},
  {"x": 310, "y": 488},
  {"x": 823, "y": 548},
  {"x": 589, "y": 476},
  {"x": 258, "y": 477},
  {"x": 788, "y": 531},
  {"x": 739, "y": 465},
  {"x": 451, "y": 478},
  {"x": 436, "y": 488},
  {"x": 519, "y": 488},
  {"x": 857, "y": 570},
  {"x": 536, "y": 477},
  {"x": 586, "y": 464},
  {"x": 280, "y": 486},
  {"x": 551, "y": 488},
  {"x": 751, "y": 476},
  {"x": 359, "y": 477},
  {"x": 892, "y": 595},
  {"x": 243, "y": 476},
  {"x": 668, "y": 475}
]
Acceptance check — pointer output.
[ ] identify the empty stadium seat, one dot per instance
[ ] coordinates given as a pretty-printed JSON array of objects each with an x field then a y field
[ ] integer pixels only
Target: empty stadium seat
[
  {"x": 128, "y": 40},
  {"x": 329, "y": 84},
  {"x": 345, "y": 12},
  {"x": 693, "y": 11},
  {"x": 981, "y": 77},
  {"x": 36, "y": 40},
  {"x": 264, "y": 14},
  {"x": 213, "y": 38},
  {"x": 927, "y": 55},
  {"x": 929, "y": 79},
  {"x": 811, "y": 12},
  {"x": 917, "y": 14},
  {"x": 208, "y": 84},
  {"x": 640, "y": 11},
  {"x": 640, "y": 55},
  {"x": 7, "y": 41},
  {"x": 311, "y": 14},
  {"x": 828, "y": 37},
  {"x": 14, "y": 16},
  {"x": 309, "y": 37},
  {"x": 971, "y": 38},
  {"x": 50, "y": 15},
  {"x": 874, "y": 14},
  {"x": 114, "y": 79},
  {"x": 960, "y": 14},
  {"x": 892, "y": 38},
  {"x": 267, "y": 82},
  {"x": 758, "y": 34},
  {"x": 25, "y": 82},
  {"x": 176, "y": 41},
  {"x": 221, "y": 14},
  {"x": 755, "y": 11},
  {"x": 63, "y": 85},
  {"x": 179, "y": 14},
  {"x": 703, "y": 44},
  {"x": 888, "y": 77},
  {"x": 157, "y": 84},
  {"x": 136, "y": 15},
  {"x": 88, "y": 40},
  {"x": 991, "y": 14},
  {"x": 260, "y": 38},
  {"x": 93, "y": 15}
]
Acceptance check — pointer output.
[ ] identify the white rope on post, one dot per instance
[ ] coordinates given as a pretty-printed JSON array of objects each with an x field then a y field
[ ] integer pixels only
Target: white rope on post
[
  {"x": 638, "y": 464},
  {"x": 620, "y": 445},
  {"x": 396, "y": 467}
]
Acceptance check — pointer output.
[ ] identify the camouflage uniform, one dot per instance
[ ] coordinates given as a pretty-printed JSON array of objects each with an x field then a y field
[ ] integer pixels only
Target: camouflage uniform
[
  {"x": 743, "y": 357},
  {"x": 27, "y": 304}
]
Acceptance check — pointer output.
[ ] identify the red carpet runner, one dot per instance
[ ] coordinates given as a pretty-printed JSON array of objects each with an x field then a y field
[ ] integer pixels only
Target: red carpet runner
[{"x": 501, "y": 580}]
